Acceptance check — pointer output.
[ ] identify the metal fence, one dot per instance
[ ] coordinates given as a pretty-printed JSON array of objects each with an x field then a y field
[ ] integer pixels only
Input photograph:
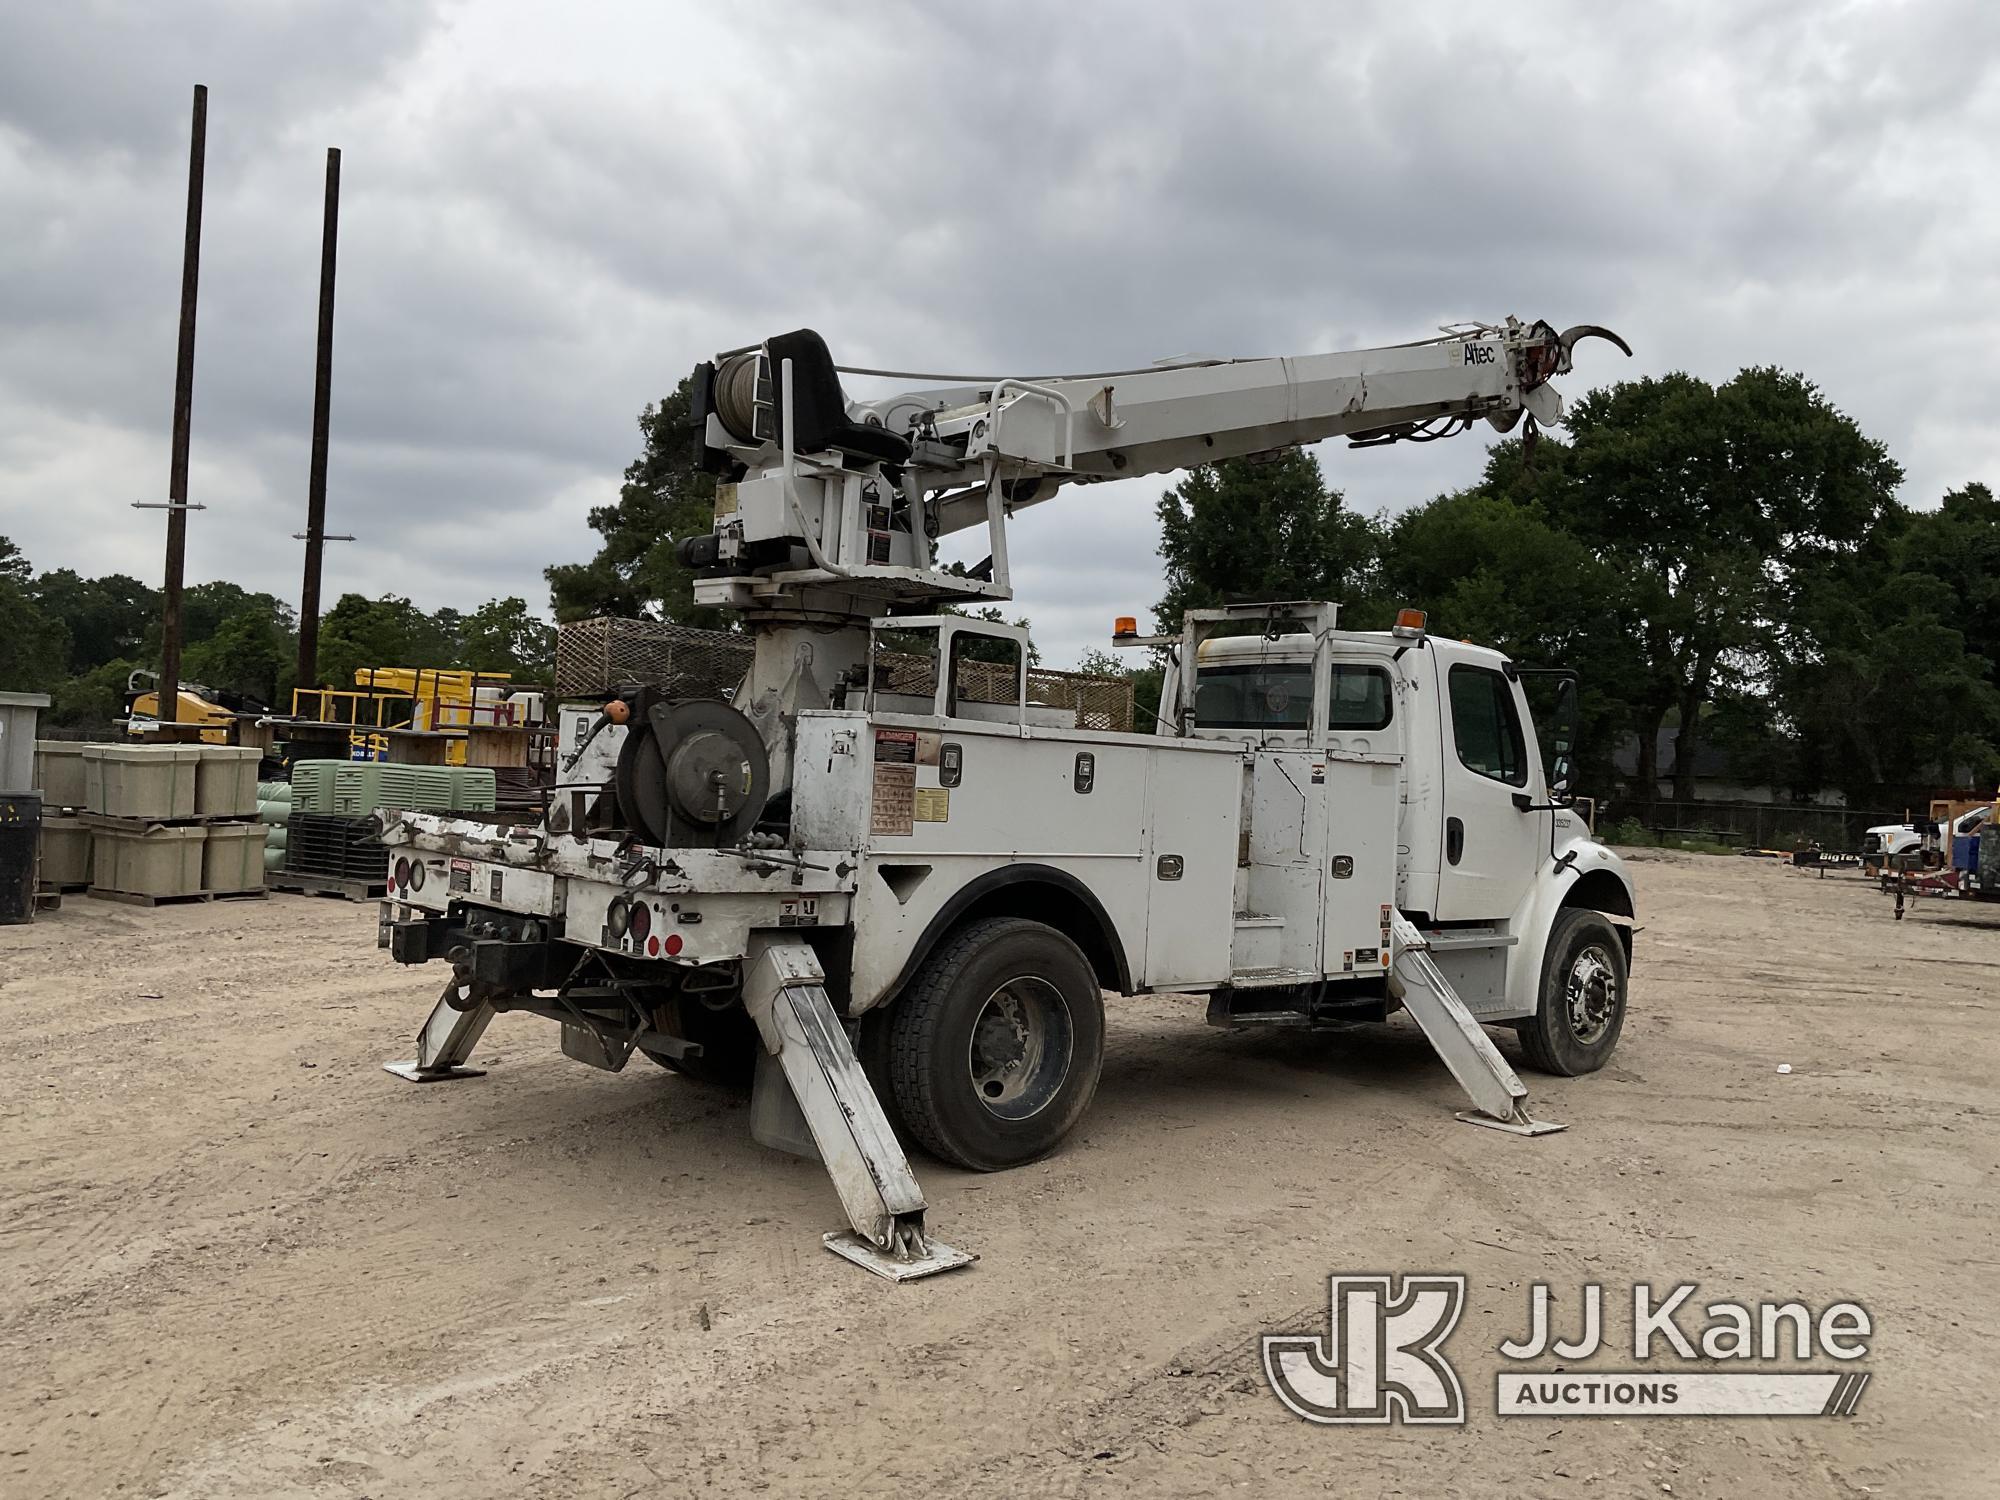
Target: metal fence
[
  {"x": 594, "y": 657},
  {"x": 1752, "y": 825}
]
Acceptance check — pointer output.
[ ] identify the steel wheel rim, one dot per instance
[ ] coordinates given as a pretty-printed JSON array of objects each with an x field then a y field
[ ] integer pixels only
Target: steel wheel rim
[
  {"x": 1019, "y": 1051},
  {"x": 1590, "y": 994}
]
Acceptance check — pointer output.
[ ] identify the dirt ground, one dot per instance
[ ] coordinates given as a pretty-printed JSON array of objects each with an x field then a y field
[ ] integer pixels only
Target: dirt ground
[{"x": 237, "y": 1259}]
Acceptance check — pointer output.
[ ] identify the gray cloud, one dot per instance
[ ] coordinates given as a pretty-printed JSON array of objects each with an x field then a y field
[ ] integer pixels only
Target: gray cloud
[{"x": 548, "y": 216}]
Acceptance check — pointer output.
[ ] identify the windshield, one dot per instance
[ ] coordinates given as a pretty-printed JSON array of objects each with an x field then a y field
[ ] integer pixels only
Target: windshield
[{"x": 1278, "y": 695}]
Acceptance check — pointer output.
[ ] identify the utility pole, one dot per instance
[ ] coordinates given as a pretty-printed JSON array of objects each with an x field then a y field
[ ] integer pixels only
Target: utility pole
[
  {"x": 315, "y": 533},
  {"x": 177, "y": 501}
]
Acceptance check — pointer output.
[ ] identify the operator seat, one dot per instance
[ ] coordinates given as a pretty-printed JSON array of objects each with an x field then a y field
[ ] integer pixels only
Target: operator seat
[{"x": 819, "y": 407}]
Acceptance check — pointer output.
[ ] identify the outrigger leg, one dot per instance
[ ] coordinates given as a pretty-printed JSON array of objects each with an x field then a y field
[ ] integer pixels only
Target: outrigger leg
[
  {"x": 784, "y": 990},
  {"x": 451, "y": 1031},
  {"x": 1457, "y": 1037}
]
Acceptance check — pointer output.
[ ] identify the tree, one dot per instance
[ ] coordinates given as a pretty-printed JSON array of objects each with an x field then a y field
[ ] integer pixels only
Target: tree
[
  {"x": 385, "y": 632},
  {"x": 1958, "y": 544},
  {"x": 1713, "y": 503},
  {"x": 34, "y": 646},
  {"x": 14, "y": 566},
  {"x": 250, "y": 652},
  {"x": 502, "y": 636},
  {"x": 1491, "y": 569},
  {"x": 94, "y": 699},
  {"x": 108, "y": 619},
  {"x": 637, "y": 571},
  {"x": 1266, "y": 529},
  {"x": 1883, "y": 678}
]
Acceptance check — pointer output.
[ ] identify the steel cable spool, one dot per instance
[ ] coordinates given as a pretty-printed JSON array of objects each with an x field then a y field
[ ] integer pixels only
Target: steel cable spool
[
  {"x": 693, "y": 774},
  {"x": 736, "y": 395}
]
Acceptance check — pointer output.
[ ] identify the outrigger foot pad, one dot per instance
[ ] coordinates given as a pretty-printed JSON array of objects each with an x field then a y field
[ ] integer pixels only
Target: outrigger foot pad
[
  {"x": 415, "y": 1072},
  {"x": 870, "y": 1256},
  {"x": 1522, "y": 1126},
  {"x": 784, "y": 989}
]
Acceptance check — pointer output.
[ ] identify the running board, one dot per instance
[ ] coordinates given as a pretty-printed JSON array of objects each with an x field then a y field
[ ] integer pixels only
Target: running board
[
  {"x": 784, "y": 989},
  {"x": 1500, "y": 1098}
]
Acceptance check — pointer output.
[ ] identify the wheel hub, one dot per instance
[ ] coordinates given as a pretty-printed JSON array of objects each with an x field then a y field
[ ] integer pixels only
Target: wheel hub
[
  {"x": 1591, "y": 991},
  {"x": 1019, "y": 1051}
]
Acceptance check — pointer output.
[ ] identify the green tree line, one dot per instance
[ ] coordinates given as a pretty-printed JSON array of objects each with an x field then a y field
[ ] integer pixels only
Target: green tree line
[
  {"x": 1730, "y": 561},
  {"x": 80, "y": 639}
]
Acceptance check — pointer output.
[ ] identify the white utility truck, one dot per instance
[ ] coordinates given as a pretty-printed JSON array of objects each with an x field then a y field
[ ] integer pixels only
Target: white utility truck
[{"x": 895, "y": 898}]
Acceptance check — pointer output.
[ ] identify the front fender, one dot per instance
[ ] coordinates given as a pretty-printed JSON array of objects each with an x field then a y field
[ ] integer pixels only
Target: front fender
[{"x": 1596, "y": 879}]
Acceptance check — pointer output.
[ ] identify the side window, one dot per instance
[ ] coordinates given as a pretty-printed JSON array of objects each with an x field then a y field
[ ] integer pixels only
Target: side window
[
  {"x": 1360, "y": 698},
  {"x": 1485, "y": 726},
  {"x": 984, "y": 669}
]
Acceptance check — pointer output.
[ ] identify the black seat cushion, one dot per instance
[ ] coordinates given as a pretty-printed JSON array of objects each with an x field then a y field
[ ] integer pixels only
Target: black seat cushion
[{"x": 819, "y": 407}]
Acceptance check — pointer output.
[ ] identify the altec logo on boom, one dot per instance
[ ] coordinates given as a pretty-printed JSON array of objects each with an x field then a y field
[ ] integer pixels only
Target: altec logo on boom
[{"x": 1382, "y": 1357}]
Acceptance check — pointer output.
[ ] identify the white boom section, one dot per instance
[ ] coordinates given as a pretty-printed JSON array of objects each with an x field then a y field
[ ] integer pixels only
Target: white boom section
[
  {"x": 835, "y": 505},
  {"x": 1158, "y": 421}
]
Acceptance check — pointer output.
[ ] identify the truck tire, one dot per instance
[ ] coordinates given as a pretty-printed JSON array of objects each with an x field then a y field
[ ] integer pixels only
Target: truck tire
[
  {"x": 1582, "y": 1006},
  {"x": 995, "y": 1047},
  {"x": 729, "y": 1046}
]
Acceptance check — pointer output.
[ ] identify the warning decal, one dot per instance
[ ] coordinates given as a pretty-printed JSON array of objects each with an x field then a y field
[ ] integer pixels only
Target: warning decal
[
  {"x": 894, "y": 808},
  {"x": 933, "y": 805}
]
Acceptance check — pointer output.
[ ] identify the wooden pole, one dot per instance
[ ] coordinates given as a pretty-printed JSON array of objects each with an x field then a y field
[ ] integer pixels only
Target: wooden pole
[
  {"x": 177, "y": 477},
  {"x": 308, "y": 675}
]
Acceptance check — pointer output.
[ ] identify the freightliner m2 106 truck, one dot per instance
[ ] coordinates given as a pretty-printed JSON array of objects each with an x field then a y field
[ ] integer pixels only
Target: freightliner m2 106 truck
[{"x": 895, "y": 902}]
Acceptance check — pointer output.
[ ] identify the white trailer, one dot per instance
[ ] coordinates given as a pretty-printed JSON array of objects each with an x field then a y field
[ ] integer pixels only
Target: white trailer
[{"x": 894, "y": 905}]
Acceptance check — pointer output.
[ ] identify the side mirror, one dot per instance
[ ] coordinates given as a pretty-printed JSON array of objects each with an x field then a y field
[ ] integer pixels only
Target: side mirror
[{"x": 1560, "y": 776}]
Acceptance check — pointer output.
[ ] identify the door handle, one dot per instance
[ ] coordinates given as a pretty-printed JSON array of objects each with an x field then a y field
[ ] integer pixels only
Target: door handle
[{"x": 1454, "y": 840}]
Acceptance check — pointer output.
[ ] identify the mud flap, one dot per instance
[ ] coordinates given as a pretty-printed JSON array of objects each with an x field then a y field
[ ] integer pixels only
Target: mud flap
[{"x": 784, "y": 991}]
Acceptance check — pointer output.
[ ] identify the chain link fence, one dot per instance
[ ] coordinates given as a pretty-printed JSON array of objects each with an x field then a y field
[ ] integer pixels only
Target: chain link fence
[{"x": 1750, "y": 825}]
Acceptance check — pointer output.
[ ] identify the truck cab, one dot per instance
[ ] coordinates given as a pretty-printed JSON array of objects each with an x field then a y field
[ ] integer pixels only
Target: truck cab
[{"x": 1486, "y": 849}]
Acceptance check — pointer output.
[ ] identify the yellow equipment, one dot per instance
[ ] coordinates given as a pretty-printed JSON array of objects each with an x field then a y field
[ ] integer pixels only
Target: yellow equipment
[
  {"x": 194, "y": 704},
  {"x": 423, "y": 698}
]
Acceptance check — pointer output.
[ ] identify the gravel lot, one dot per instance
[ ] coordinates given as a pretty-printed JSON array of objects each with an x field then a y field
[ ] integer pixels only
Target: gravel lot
[{"x": 240, "y": 1260}]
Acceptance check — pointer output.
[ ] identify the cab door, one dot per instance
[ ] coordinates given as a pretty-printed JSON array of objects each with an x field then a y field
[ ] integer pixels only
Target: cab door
[{"x": 1490, "y": 846}]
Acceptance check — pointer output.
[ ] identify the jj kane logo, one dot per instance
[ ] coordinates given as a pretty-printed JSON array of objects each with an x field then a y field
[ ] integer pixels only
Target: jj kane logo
[{"x": 1382, "y": 1359}]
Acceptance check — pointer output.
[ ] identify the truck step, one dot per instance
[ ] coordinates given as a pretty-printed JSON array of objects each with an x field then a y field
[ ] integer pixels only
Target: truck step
[
  {"x": 1449, "y": 939},
  {"x": 1265, "y": 977}
]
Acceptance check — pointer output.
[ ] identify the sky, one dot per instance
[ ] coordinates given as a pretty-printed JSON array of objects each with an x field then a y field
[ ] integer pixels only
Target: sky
[{"x": 550, "y": 214}]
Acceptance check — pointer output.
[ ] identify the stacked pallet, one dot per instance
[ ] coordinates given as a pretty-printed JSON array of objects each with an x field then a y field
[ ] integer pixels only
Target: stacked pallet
[
  {"x": 65, "y": 839},
  {"x": 172, "y": 822},
  {"x": 330, "y": 845}
]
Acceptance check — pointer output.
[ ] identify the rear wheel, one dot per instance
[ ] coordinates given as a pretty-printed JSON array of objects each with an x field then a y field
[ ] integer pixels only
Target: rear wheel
[
  {"x": 1582, "y": 1008},
  {"x": 995, "y": 1049}
]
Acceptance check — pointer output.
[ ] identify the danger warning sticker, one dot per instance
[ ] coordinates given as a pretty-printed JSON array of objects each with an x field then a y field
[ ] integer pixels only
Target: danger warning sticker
[{"x": 893, "y": 811}]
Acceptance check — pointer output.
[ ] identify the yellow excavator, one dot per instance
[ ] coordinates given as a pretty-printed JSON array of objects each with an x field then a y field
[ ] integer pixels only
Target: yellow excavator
[{"x": 215, "y": 709}]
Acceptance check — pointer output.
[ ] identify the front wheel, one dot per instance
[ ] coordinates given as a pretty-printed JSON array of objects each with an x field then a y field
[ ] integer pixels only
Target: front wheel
[
  {"x": 995, "y": 1049},
  {"x": 1582, "y": 996}
]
